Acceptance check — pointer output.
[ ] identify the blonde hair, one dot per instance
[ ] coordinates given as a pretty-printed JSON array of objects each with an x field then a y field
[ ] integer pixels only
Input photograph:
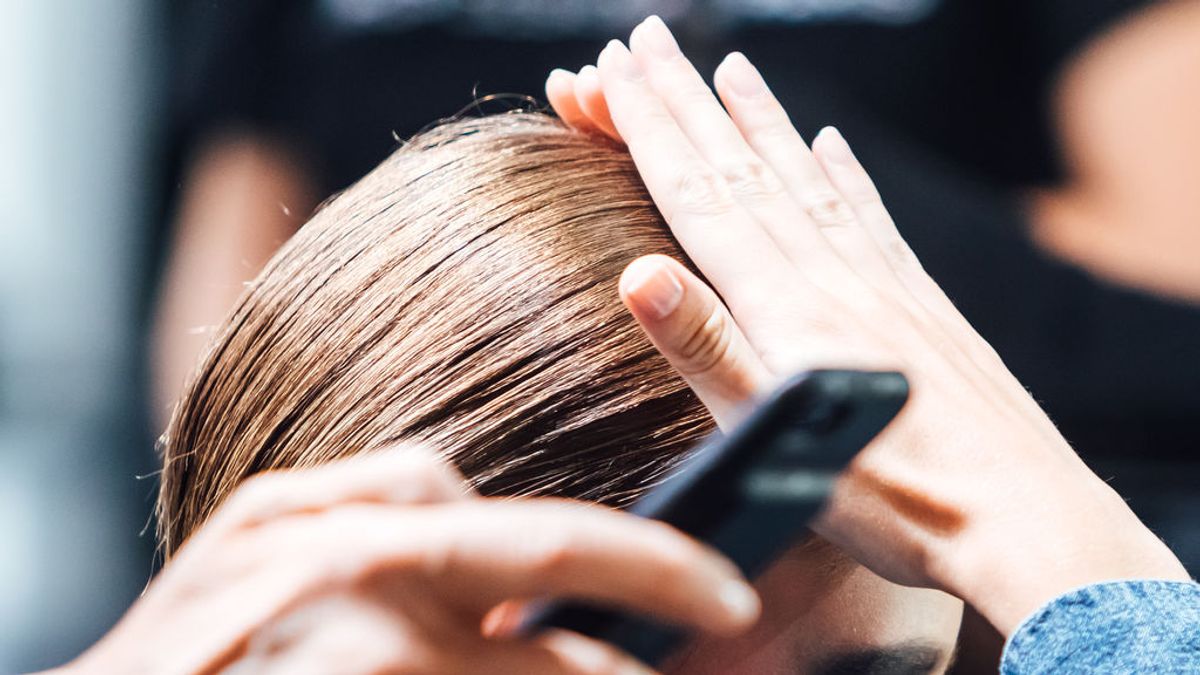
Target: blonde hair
[{"x": 464, "y": 294}]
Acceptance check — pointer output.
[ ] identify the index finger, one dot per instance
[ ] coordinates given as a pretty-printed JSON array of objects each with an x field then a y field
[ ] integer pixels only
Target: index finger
[
  {"x": 560, "y": 92},
  {"x": 407, "y": 474},
  {"x": 720, "y": 237},
  {"x": 477, "y": 554}
]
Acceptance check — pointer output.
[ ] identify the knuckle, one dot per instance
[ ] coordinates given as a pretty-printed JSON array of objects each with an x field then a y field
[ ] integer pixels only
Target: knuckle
[
  {"x": 426, "y": 471},
  {"x": 554, "y": 554},
  {"x": 707, "y": 345},
  {"x": 357, "y": 560},
  {"x": 425, "y": 476},
  {"x": 416, "y": 475},
  {"x": 256, "y": 496},
  {"x": 702, "y": 191},
  {"x": 899, "y": 252},
  {"x": 750, "y": 178},
  {"x": 829, "y": 209}
]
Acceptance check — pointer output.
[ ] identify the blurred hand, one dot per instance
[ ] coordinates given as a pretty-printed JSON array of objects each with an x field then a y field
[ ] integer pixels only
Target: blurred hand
[
  {"x": 385, "y": 564},
  {"x": 971, "y": 490}
]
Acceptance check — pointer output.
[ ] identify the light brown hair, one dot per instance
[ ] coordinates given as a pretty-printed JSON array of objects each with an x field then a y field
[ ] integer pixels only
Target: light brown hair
[{"x": 464, "y": 294}]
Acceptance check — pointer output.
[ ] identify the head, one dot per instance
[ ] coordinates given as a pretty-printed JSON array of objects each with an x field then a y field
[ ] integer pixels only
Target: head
[{"x": 464, "y": 294}]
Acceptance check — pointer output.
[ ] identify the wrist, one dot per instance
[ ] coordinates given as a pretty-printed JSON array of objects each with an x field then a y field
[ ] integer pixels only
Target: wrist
[{"x": 1010, "y": 563}]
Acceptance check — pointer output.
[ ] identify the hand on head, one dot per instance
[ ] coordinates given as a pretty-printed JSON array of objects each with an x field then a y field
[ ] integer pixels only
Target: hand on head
[
  {"x": 808, "y": 270},
  {"x": 386, "y": 562}
]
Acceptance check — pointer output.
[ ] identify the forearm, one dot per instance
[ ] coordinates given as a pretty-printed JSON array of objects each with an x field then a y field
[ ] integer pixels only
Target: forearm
[{"x": 1014, "y": 558}]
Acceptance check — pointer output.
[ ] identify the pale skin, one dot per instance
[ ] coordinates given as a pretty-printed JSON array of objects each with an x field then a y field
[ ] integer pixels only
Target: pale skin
[
  {"x": 808, "y": 270},
  {"x": 385, "y": 563}
]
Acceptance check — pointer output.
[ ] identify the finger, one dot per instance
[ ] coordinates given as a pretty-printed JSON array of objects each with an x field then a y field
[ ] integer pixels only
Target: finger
[
  {"x": 688, "y": 323},
  {"x": 715, "y": 231},
  {"x": 475, "y": 555},
  {"x": 357, "y": 633},
  {"x": 402, "y": 475},
  {"x": 504, "y": 619},
  {"x": 537, "y": 548},
  {"x": 721, "y": 236},
  {"x": 367, "y": 636},
  {"x": 765, "y": 125},
  {"x": 720, "y": 143},
  {"x": 589, "y": 97},
  {"x": 560, "y": 92},
  {"x": 852, "y": 180}
]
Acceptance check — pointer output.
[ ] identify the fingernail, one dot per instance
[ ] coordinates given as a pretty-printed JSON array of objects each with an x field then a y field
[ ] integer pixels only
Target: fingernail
[
  {"x": 835, "y": 147},
  {"x": 493, "y": 623},
  {"x": 658, "y": 37},
  {"x": 502, "y": 620},
  {"x": 739, "y": 600},
  {"x": 588, "y": 71},
  {"x": 652, "y": 287},
  {"x": 744, "y": 78},
  {"x": 561, "y": 72},
  {"x": 621, "y": 60}
]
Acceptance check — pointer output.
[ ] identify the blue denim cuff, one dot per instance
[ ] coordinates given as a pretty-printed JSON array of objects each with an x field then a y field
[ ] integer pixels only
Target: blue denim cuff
[{"x": 1135, "y": 626}]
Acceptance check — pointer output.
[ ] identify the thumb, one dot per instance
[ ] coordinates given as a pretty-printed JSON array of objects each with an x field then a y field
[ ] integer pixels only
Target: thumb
[{"x": 690, "y": 325}]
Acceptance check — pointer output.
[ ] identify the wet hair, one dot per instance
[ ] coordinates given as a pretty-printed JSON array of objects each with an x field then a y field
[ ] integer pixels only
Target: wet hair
[{"x": 463, "y": 294}]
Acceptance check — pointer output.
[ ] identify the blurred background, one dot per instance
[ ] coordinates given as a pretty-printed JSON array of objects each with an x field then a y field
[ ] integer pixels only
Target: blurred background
[{"x": 1042, "y": 157}]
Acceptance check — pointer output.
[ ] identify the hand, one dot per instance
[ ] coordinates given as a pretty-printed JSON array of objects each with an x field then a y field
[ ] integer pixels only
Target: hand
[
  {"x": 971, "y": 490},
  {"x": 385, "y": 564}
]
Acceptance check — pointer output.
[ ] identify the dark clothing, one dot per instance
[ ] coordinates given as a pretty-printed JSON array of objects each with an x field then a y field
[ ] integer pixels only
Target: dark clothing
[{"x": 965, "y": 78}]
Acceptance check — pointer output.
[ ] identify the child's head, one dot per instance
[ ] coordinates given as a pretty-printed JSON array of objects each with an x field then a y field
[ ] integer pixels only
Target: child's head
[{"x": 464, "y": 293}]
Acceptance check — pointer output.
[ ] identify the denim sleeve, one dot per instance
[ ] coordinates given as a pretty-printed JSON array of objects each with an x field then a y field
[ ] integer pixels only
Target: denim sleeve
[{"x": 1135, "y": 626}]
